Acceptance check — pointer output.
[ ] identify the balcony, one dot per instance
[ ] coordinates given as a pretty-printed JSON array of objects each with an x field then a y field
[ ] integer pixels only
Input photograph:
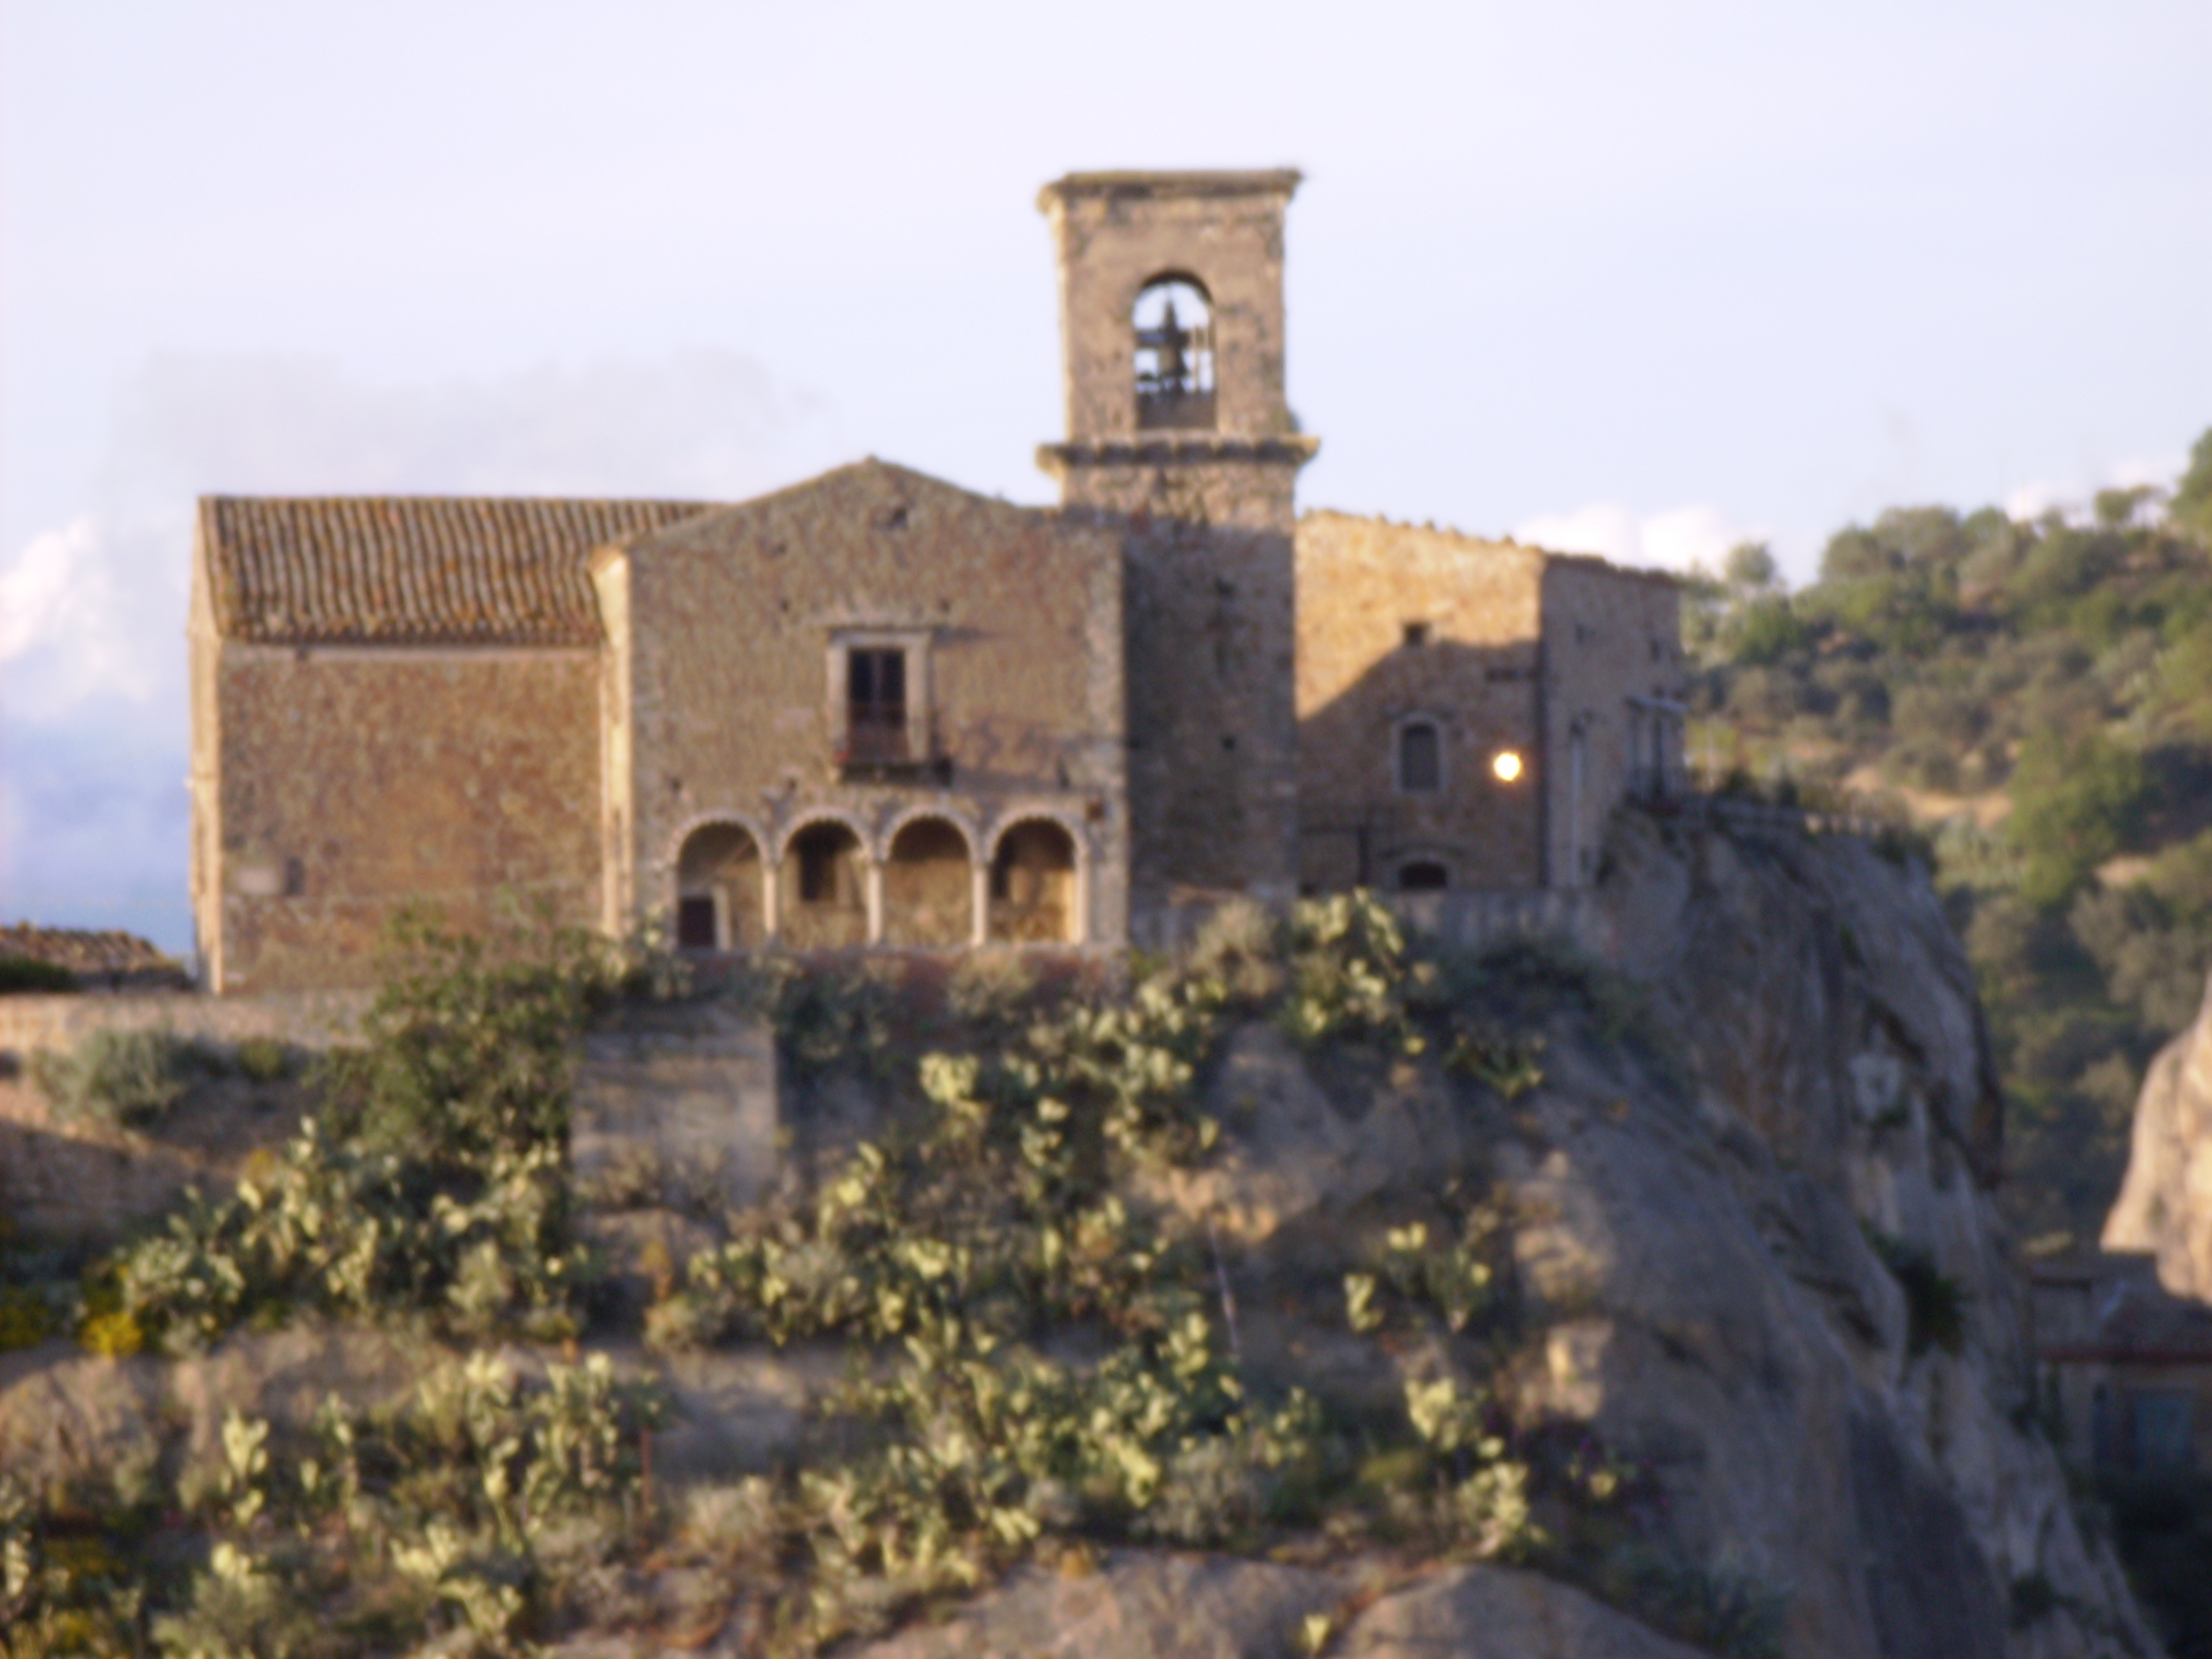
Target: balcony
[{"x": 878, "y": 748}]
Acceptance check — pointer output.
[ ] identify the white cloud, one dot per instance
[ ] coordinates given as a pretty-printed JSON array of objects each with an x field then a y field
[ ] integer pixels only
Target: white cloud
[
  {"x": 2072, "y": 500},
  {"x": 94, "y": 612},
  {"x": 1604, "y": 528},
  {"x": 1680, "y": 537},
  {"x": 45, "y": 585}
]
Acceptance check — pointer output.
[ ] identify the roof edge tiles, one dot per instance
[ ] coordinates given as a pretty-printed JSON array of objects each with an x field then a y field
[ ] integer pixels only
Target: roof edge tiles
[{"x": 424, "y": 570}]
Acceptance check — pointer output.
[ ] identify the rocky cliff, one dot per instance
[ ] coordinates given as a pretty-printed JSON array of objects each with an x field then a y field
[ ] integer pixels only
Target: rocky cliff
[{"x": 2165, "y": 1207}]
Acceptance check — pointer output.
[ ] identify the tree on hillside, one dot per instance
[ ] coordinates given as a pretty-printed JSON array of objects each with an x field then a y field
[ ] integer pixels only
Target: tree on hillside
[
  {"x": 2192, "y": 506},
  {"x": 2046, "y": 687}
]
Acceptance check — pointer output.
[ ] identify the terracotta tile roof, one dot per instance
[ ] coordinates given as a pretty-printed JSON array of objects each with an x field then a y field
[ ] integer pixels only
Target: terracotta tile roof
[{"x": 413, "y": 570}]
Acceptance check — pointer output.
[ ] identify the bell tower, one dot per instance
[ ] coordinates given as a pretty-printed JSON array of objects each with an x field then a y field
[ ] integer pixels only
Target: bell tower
[{"x": 1179, "y": 432}]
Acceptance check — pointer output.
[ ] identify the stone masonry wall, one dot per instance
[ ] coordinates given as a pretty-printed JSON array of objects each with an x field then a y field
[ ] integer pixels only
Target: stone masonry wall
[
  {"x": 1362, "y": 583},
  {"x": 1609, "y": 634},
  {"x": 679, "y": 1097},
  {"x": 354, "y": 780},
  {"x": 1212, "y": 721},
  {"x": 1012, "y": 621}
]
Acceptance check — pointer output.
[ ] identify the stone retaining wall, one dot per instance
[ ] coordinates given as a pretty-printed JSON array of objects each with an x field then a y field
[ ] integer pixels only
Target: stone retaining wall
[
  {"x": 306, "y": 1019},
  {"x": 683, "y": 1098}
]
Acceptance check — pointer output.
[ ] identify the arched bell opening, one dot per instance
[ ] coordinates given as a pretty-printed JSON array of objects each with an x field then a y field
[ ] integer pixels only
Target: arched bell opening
[
  {"x": 823, "y": 889},
  {"x": 719, "y": 896},
  {"x": 929, "y": 888},
  {"x": 1033, "y": 886},
  {"x": 1173, "y": 326}
]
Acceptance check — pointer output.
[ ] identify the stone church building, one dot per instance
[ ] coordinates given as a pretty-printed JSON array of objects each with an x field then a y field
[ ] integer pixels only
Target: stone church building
[{"x": 877, "y": 710}]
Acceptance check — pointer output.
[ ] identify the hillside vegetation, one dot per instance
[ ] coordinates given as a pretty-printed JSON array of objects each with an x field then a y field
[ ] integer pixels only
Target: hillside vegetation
[
  {"x": 1038, "y": 1365},
  {"x": 2039, "y": 697}
]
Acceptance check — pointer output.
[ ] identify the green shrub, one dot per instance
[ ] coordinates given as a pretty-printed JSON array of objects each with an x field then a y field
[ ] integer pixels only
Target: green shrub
[
  {"x": 26, "y": 1318},
  {"x": 264, "y": 1059},
  {"x": 125, "y": 1079},
  {"x": 27, "y": 976},
  {"x": 1720, "y": 1606},
  {"x": 2074, "y": 804},
  {"x": 1934, "y": 1303},
  {"x": 468, "y": 1052},
  {"x": 435, "y": 1183},
  {"x": 369, "y": 1531},
  {"x": 1348, "y": 959}
]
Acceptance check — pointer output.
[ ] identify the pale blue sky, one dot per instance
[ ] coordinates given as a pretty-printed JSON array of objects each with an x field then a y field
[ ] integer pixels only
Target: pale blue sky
[{"x": 1642, "y": 278}]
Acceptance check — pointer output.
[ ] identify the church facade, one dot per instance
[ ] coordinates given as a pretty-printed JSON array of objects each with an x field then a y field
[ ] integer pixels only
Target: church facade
[{"x": 876, "y": 711}]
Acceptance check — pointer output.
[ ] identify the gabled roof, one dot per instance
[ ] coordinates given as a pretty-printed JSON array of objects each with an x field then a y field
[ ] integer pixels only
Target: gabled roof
[
  {"x": 412, "y": 569},
  {"x": 844, "y": 515}
]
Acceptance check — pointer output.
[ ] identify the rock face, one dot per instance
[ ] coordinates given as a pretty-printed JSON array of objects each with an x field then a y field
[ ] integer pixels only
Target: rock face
[
  {"x": 1768, "y": 1271},
  {"x": 1767, "y": 1276},
  {"x": 1141, "y": 1606},
  {"x": 2165, "y": 1207},
  {"x": 1775, "y": 1280}
]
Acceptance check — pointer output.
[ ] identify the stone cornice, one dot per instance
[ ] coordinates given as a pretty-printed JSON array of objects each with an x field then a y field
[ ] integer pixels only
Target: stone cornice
[
  {"x": 1182, "y": 449},
  {"x": 1270, "y": 181}
]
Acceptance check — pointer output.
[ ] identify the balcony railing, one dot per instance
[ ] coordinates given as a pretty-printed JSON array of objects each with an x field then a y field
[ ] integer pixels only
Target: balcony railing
[{"x": 875, "y": 734}]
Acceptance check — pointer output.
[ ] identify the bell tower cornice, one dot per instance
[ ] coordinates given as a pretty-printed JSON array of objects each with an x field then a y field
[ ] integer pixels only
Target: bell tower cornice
[{"x": 1205, "y": 449}]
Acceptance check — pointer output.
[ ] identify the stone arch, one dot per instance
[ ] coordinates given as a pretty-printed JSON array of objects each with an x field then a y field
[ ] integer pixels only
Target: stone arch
[
  {"x": 1171, "y": 329},
  {"x": 804, "y": 820},
  {"x": 721, "y": 896},
  {"x": 929, "y": 886},
  {"x": 822, "y": 884},
  {"x": 1037, "y": 876}
]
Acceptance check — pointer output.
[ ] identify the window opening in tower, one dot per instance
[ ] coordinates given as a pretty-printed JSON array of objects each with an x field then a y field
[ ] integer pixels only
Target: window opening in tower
[{"x": 1174, "y": 334}]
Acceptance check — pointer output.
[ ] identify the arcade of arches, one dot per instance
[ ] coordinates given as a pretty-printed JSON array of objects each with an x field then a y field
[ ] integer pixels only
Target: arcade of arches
[{"x": 932, "y": 890}]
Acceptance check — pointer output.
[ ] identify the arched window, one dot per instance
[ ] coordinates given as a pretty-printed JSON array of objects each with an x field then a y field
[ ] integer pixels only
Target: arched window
[
  {"x": 1173, "y": 323},
  {"x": 1033, "y": 878},
  {"x": 1420, "y": 757},
  {"x": 717, "y": 890},
  {"x": 1423, "y": 876},
  {"x": 929, "y": 888}
]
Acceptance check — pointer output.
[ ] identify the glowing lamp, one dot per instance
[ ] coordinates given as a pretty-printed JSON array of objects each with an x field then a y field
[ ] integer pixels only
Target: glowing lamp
[{"x": 1506, "y": 763}]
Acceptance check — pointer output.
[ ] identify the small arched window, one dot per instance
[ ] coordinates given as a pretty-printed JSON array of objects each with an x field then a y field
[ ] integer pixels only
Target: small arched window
[
  {"x": 1423, "y": 876},
  {"x": 1420, "y": 758},
  {"x": 1173, "y": 325}
]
